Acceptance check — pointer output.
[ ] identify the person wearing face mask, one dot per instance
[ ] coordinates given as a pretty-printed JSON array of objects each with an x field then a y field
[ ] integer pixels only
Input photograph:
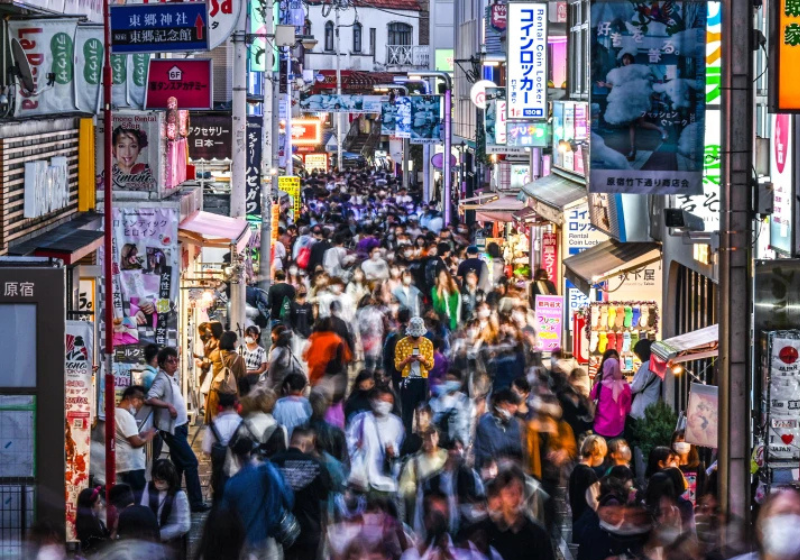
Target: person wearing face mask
[
  {"x": 498, "y": 434},
  {"x": 163, "y": 495},
  {"x": 475, "y": 264},
  {"x": 130, "y": 442},
  {"x": 693, "y": 469},
  {"x": 357, "y": 288},
  {"x": 452, "y": 409},
  {"x": 374, "y": 439},
  {"x": 413, "y": 357},
  {"x": 408, "y": 295},
  {"x": 592, "y": 455},
  {"x": 471, "y": 295},
  {"x": 255, "y": 357},
  {"x": 776, "y": 527},
  {"x": 375, "y": 268}
]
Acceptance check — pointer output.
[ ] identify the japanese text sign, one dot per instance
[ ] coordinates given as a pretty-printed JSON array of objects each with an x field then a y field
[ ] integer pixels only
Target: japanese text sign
[
  {"x": 549, "y": 258},
  {"x": 528, "y": 134},
  {"x": 210, "y": 136},
  {"x": 784, "y": 59},
  {"x": 316, "y": 162},
  {"x": 255, "y": 125},
  {"x": 188, "y": 80},
  {"x": 526, "y": 79},
  {"x": 160, "y": 27},
  {"x": 291, "y": 186},
  {"x": 305, "y": 132},
  {"x": 549, "y": 313}
]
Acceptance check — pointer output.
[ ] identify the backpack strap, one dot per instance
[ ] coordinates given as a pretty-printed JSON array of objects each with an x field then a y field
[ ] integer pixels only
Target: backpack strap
[{"x": 215, "y": 431}]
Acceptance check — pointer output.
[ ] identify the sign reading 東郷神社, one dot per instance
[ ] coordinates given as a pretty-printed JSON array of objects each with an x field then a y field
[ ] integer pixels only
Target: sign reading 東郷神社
[
  {"x": 159, "y": 27},
  {"x": 189, "y": 81},
  {"x": 526, "y": 78}
]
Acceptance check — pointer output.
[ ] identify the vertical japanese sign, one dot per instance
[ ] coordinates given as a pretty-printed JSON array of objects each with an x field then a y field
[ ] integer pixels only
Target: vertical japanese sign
[
  {"x": 548, "y": 312},
  {"x": 49, "y": 46},
  {"x": 782, "y": 176},
  {"x": 291, "y": 186},
  {"x": 526, "y": 78},
  {"x": 253, "y": 191},
  {"x": 648, "y": 97},
  {"x": 549, "y": 258},
  {"x": 137, "y": 75},
  {"x": 426, "y": 121},
  {"x": 88, "y": 67},
  {"x": 495, "y": 119},
  {"x": 145, "y": 278},
  {"x": 78, "y": 414},
  {"x": 784, "y": 56}
]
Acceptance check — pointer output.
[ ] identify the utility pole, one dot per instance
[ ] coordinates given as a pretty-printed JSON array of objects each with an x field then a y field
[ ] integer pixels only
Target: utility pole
[
  {"x": 264, "y": 263},
  {"x": 735, "y": 257},
  {"x": 238, "y": 167},
  {"x": 288, "y": 136},
  {"x": 339, "y": 116}
]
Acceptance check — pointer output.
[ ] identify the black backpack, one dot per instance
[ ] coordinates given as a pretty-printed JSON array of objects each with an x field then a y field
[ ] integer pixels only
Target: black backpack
[
  {"x": 446, "y": 435},
  {"x": 219, "y": 452}
]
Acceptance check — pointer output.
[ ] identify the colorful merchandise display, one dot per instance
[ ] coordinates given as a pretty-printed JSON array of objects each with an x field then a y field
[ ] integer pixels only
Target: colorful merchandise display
[{"x": 620, "y": 325}]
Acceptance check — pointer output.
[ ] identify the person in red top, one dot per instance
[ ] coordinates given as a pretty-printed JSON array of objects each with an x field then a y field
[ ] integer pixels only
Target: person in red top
[{"x": 326, "y": 352}]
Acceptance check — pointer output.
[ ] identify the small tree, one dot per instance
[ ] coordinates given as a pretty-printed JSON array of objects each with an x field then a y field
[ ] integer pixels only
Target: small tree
[{"x": 655, "y": 428}]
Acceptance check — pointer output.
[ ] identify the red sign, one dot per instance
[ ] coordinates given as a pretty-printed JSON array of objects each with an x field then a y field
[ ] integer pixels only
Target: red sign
[
  {"x": 549, "y": 259},
  {"x": 561, "y": 12},
  {"x": 499, "y": 14},
  {"x": 187, "y": 80},
  {"x": 305, "y": 132}
]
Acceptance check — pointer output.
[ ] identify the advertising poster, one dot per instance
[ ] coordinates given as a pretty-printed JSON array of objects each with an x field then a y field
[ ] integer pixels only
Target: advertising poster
[
  {"x": 316, "y": 162},
  {"x": 137, "y": 81},
  {"x": 388, "y": 114},
  {"x": 528, "y": 134},
  {"x": 526, "y": 79},
  {"x": 291, "y": 186},
  {"x": 210, "y": 136},
  {"x": 549, "y": 313},
  {"x": 345, "y": 103},
  {"x": 784, "y": 395},
  {"x": 49, "y": 46},
  {"x": 648, "y": 97},
  {"x": 88, "y": 67},
  {"x": 426, "y": 119},
  {"x": 78, "y": 412},
  {"x": 402, "y": 120},
  {"x": 123, "y": 378},
  {"x": 701, "y": 416},
  {"x": 495, "y": 116},
  {"x": 252, "y": 203},
  {"x": 782, "y": 176},
  {"x": 497, "y": 24},
  {"x": 137, "y": 148},
  {"x": 145, "y": 280}
]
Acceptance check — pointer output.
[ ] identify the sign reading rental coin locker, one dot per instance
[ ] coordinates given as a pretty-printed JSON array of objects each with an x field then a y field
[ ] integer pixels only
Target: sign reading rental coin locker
[
  {"x": 784, "y": 56},
  {"x": 526, "y": 79}
]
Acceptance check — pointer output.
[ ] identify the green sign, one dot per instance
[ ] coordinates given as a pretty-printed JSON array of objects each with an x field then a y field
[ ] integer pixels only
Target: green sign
[{"x": 444, "y": 60}]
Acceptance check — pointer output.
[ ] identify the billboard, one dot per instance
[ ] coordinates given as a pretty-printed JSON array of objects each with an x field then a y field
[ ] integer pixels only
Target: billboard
[
  {"x": 332, "y": 103},
  {"x": 782, "y": 175},
  {"x": 210, "y": 136},
  {"x": 402, "y": 117},
  {"x": 426, "y": 119},
  {"x": 138, "y": 148},
  {"x": 528, "y": 134},
  {"x": 188, "y": 80},
  {"x": 388, "y": 115},
  {"x": 495, "y": 116},
  {"x": 526, "y": 70},
  {"x": 784, "y": 56},
  {"x": 648, "y": 97}
]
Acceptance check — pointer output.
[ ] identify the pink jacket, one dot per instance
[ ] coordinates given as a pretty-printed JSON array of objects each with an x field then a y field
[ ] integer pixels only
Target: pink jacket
[{"x": 609, "y": 418}]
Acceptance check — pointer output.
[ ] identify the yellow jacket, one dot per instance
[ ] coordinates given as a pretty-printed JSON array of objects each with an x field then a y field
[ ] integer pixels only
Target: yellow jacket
[{"x": 404, "y": 349}]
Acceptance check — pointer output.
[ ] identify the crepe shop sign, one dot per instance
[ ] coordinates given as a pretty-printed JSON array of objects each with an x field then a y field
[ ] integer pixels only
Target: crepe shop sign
[{"x": 549, "y": 312}]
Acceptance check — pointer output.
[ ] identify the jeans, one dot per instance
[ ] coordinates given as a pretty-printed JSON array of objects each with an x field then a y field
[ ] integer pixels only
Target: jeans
[
  {"x": 413, "y": 392},
  {"x": 185, "y": 462}
]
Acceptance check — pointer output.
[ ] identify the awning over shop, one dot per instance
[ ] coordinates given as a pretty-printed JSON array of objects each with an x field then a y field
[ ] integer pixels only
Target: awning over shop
[
  {"x": 69, "y": 242},
  {"x": 499, "y": 210},
  {"x": 608, "y": 259},
  {"x": 527, "y": 216},
  {"x": 214, "y": 230},
  {"x": 551, "y": 194},
  {"x": 695, "y": 345}
]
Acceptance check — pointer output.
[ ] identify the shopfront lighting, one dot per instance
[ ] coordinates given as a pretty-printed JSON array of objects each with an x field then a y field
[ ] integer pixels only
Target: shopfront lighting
[
  {"x": 564, "y": 146},
  {"x": 207, "y": 298},
  {"x": 677, "y": 369}
]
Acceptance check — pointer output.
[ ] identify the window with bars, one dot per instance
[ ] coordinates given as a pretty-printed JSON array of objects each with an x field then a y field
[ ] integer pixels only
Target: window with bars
[
  {"x": 357, "y": 38},
  {"x": 399, "y": 34}
]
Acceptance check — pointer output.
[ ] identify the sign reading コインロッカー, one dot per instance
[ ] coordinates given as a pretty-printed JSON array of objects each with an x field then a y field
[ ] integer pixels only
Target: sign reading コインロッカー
[{"x": 526, "y": 89}]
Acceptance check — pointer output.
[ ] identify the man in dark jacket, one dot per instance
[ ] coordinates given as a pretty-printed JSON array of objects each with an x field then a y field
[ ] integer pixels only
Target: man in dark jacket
[
  {"x": 321, "y": 244},
  {"x": 498, "y": 434}
]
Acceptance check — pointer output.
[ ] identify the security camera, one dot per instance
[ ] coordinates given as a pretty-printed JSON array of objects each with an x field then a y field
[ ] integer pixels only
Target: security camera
[{"x": 675, "y": 218}]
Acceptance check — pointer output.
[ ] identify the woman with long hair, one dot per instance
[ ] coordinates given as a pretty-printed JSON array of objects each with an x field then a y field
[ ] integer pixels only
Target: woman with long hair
[
  {"x": 163, "y": 495},
  {"x": 230, "y": 359},
  {"x": 89, "y": 528},
  {"x": 447, "y": 299}
]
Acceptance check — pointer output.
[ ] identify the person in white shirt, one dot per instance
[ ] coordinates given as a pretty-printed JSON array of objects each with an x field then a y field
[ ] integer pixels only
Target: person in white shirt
[
  {"x": 375, "y": 268},
  {"x": 163, "y": 495},
  {"x": 373, "y": 437},
  {"x": 131, "y": 461},
  {"x": 408, "y": 295},
  {"x": 334, "y": 259},
  {"x": 646, "y": 385}
]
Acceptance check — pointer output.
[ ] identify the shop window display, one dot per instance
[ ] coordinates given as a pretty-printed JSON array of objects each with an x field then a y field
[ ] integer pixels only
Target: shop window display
[{"x": 620, "y": 325}]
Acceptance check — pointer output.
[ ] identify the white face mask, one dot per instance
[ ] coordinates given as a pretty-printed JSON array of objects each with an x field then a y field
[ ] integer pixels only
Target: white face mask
[
  {"x": 293, "y": 270},
  {"x": 681, "y": 447},
  {"x": 132, "y": 410},
  {"x": 503, "y": 413},
  {"x": 381, "y": 408},
  {"x": 336, "y": 289},
  {"x": 484, "y": 313},
  {"x": 779, "y": 537},
  {"x": 249, "y": 340},
  {"x": 407, "y": 280},
  {"x": 519, "y": 317},
  {"x": 376, "y": 256}
]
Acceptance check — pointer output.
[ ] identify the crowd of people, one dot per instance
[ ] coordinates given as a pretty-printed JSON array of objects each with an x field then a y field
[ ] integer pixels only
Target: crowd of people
[{"x": 393, "y": 405}]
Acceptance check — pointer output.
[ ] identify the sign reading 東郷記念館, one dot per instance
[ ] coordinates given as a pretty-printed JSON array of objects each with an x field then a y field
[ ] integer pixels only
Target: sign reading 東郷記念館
[
  {"x": 159, "y": 27},
  {"x": 526, "y": 74}
]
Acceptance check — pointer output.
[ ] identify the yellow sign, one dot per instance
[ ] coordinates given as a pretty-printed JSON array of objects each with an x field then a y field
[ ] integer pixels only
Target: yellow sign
[
  {"x": 785, "y": 87},
  {"x": 316, "y": 162},
  {"x": 276, "y": 217},
  {"x": 291, "y": 186}
]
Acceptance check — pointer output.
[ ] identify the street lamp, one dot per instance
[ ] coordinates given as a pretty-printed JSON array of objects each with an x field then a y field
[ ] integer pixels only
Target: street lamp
[{"x": 448, "y": 135}]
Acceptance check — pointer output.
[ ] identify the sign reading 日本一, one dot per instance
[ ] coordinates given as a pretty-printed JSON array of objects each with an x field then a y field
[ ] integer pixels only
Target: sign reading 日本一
[
  {"x": 648, "y": 97},
  {"x": 549, "y": 313},
  {"x": 155, "y": 28},
  {"x": 526, "y": 76}
]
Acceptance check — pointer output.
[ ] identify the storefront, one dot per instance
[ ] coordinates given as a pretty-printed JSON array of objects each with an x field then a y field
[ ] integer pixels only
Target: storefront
[{"x": 622, "y": 283}]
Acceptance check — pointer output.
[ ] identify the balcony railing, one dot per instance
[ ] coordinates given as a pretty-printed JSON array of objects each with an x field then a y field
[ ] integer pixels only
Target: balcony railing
[{"x": 408, "y": 55}]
